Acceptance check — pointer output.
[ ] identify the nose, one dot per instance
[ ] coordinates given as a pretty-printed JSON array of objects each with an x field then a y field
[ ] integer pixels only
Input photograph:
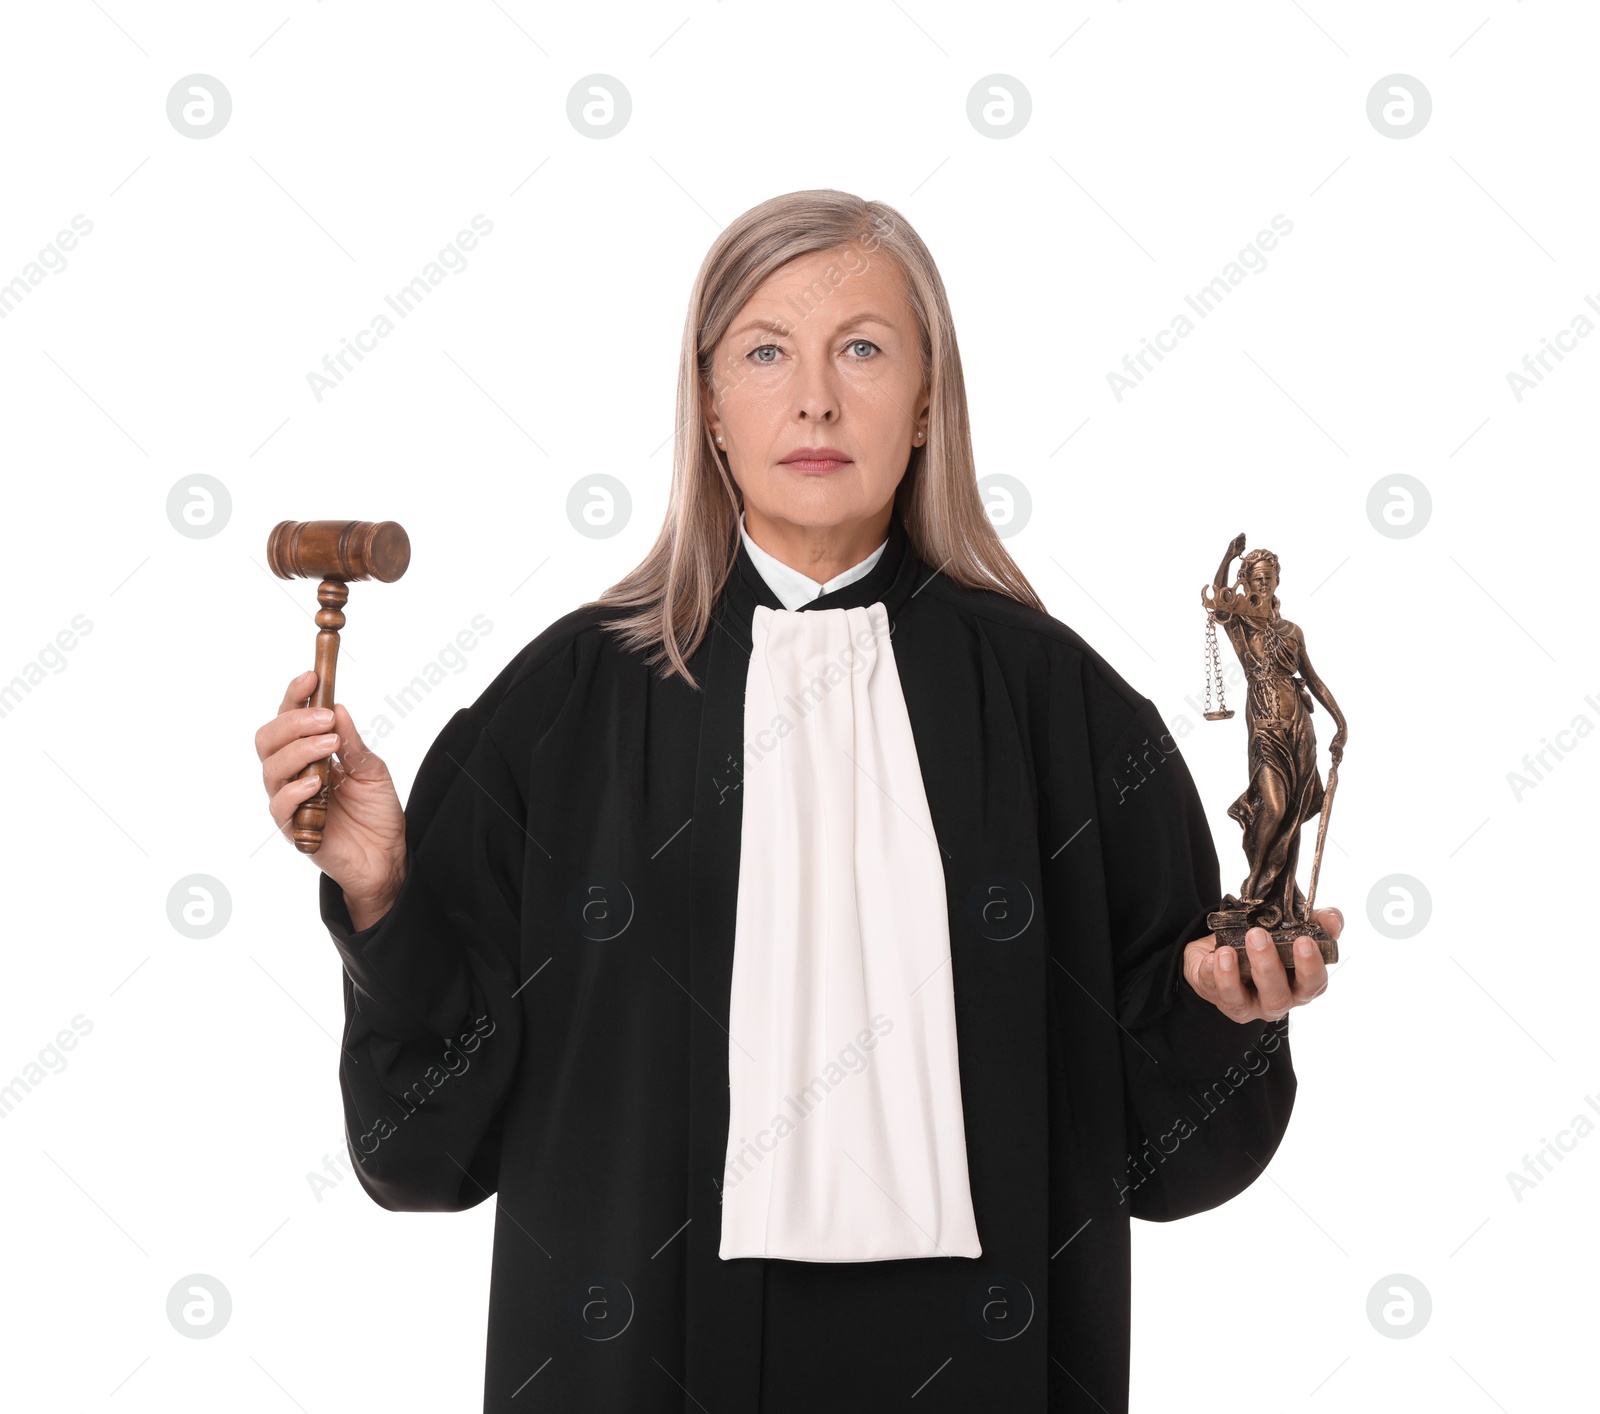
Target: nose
[{"x": 816, "y": 398}]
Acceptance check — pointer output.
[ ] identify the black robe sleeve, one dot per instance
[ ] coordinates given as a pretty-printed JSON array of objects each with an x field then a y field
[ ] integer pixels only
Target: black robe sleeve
[
  {"x": 433, "y": 1031},
  {"x": 1208, "y": 1099}
]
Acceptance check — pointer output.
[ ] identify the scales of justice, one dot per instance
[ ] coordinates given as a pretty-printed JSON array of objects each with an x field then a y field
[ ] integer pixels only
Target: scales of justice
[{"x": 1285, "y": 789}]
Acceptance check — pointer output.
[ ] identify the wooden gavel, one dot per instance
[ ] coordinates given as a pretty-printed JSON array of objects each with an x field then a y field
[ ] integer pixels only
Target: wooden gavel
[{"x": 334, "y": 551}]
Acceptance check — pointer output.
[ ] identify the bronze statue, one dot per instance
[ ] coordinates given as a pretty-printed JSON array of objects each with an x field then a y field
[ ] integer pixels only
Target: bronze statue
[{"x": 1285, "y": 789}]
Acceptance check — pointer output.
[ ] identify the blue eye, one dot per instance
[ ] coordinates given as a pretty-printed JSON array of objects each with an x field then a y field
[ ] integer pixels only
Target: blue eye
[{"x": 853, "y": 344}]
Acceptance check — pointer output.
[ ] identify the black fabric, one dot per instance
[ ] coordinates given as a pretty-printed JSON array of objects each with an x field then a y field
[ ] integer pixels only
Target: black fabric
[{"x": 542, "y": 1017}]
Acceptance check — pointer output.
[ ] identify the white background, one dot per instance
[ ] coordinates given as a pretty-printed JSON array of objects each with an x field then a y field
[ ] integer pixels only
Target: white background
[{"x": 177, "y": 341}]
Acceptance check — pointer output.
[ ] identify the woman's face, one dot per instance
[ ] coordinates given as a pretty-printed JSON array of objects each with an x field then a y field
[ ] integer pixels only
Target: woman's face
[
  {"x": 825, "y": 354},
  {"x": 1263, "y": 579}
]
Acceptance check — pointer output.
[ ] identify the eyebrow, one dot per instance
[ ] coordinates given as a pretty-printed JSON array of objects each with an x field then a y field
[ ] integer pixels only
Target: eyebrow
[{"x": 783, "y": 330}]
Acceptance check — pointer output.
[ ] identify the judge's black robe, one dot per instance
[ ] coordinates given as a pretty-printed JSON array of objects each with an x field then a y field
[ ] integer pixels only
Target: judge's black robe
[{"x": 543, "y": 1016}]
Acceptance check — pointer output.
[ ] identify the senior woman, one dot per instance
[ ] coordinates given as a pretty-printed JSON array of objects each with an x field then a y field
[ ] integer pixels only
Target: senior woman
[{"x": 805, "y": 941}]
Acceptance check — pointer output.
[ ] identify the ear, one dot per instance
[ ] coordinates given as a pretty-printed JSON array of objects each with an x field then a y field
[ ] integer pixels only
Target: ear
[
  {"x": 713, "y": 422},
  {"x": 921, "y": 424}
]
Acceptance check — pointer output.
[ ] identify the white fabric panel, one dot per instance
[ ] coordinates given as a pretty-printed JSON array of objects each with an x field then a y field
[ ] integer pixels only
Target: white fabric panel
[{"x": 845, "y": 1141}]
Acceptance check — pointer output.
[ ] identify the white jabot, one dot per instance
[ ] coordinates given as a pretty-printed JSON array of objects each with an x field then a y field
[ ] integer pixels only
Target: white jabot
[
  {"x": 846, "y": 1140},
  {"x": 793, "y": 588}
]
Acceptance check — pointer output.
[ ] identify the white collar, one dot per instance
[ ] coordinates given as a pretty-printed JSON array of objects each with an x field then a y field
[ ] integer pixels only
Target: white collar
[{"x": 793, "y": 588}]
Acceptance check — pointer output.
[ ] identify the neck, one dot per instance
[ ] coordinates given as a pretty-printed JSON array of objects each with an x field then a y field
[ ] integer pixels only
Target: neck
[{"x": 819, "y": 551}]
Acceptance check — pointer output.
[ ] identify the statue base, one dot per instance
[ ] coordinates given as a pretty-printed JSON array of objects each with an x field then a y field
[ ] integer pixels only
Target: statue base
[{"x": 1231, "y": 924}]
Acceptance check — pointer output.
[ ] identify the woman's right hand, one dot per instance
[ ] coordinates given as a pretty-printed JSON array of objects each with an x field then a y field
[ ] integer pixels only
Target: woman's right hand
[{"x": 364, "y": 839}]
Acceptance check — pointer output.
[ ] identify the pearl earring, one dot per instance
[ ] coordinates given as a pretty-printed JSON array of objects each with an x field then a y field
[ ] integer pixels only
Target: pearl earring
[{"x": 719, "y": 439}]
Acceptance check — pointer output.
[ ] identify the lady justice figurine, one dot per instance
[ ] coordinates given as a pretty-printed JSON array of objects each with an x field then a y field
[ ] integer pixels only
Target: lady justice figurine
[{"x": 1285, "y": 790}]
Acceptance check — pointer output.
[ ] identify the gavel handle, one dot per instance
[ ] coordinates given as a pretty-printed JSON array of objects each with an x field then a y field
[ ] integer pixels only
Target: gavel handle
[{"x": 312, "y": 814}]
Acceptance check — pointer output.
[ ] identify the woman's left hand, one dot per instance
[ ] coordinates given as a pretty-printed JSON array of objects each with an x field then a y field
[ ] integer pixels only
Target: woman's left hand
[{"x": 1270, "y": 994}]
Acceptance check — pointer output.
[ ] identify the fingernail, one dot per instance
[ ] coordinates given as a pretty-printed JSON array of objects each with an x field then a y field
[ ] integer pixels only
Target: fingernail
[
  {"x": 1305, "y": 947},
  {"x": 1340, "y": 915},
  {"x": 1258, "y": 940},
  {"x": 322, "y": 716},
  {"x": 1226, "y": 959}
]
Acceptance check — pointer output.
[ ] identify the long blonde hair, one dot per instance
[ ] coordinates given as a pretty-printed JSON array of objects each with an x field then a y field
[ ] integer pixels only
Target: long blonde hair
[{"x": 674, "y": 588}]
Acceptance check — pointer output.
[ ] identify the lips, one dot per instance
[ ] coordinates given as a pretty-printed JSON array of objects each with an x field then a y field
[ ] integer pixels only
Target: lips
[{"x": 815, "y": 459}]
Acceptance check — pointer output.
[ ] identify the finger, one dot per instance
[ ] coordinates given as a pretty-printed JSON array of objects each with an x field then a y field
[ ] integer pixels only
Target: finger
[
  {"x": 1273, "y": 992},
  {"x": 1331, "y": 919},
  {"x": 1205, "y": 979},
  {"x": 289, "y": 799},
  {"x": 353, "y": 750},
  {"x": 1232, "y": 996},
  {"x": 291, "y": 723},
  {"x": 289, "y": 762},
  {"x": 1211, "y": 973},
  {"x": 1310, "y": 971},
  {"x": 299, "y": 691}
]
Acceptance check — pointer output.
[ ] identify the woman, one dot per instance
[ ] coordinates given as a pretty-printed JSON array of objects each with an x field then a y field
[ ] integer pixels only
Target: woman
[
  {"x": 1285, "y": 788},
  {"x": 805, "y": 942}
]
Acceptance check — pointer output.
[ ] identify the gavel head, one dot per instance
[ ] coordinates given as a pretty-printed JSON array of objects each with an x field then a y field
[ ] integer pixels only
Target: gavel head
[{"x": 338, "y": 549}]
